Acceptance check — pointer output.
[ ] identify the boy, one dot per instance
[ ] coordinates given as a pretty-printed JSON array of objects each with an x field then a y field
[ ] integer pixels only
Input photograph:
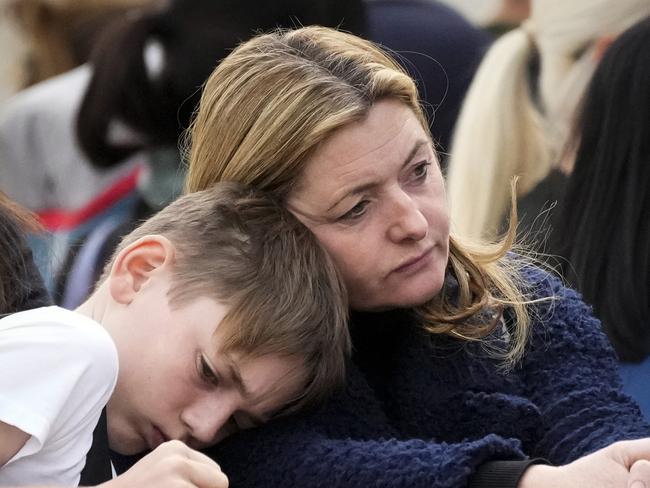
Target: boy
[{"x": 222, "y": 311}]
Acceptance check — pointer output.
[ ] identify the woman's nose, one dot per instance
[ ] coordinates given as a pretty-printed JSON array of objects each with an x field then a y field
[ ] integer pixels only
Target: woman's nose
[{"x": 407, "y": 222}]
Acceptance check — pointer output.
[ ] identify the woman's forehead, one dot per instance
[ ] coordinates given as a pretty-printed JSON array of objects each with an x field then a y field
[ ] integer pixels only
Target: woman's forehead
[{"x": 388, "y": 137}]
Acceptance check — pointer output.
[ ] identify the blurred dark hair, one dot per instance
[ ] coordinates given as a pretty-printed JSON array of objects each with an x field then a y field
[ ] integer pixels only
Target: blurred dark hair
[
  {"x": 20, "y": 285},
  {"x": 194, "y": 35},
  {"x": 604, "y": 229}
]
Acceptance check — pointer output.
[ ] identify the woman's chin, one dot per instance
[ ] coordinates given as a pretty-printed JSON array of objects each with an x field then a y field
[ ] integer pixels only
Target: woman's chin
[
  {"x": 416, "y": 299},
  {"x": 419, "y": 291},
  {"x": 411, "y": 295}
]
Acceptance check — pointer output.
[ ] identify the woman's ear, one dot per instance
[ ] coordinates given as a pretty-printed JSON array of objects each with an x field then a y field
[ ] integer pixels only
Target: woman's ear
[{"x": 137, "y": 264}]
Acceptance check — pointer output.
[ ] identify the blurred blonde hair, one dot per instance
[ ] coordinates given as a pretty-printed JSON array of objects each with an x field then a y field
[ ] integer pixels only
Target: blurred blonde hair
[
  {"x": 504, "y": 129},
  {"x": 267, "y": 107},
  {"x": 59, "y": 33}
]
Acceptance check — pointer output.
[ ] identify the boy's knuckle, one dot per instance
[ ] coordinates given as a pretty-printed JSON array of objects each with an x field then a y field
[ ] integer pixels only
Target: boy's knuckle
[
  {"x": 175, "y": 464},
  {"x": 176, "y": 445}
]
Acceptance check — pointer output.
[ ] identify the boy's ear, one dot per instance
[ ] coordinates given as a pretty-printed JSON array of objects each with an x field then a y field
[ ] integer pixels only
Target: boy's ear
[{"x": 136, "y": 264}]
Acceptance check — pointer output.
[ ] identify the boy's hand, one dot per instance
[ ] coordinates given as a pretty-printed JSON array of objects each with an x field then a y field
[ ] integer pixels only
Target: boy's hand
[{"x": 172, "y": 464}]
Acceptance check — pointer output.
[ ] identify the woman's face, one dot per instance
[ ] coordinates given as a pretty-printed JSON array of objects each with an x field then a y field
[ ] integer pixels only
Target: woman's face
[{"x": 374, "y": 196}]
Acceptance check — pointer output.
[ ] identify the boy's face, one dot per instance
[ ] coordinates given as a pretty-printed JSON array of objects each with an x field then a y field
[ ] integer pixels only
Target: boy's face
[{"x": 174, "y": 383}]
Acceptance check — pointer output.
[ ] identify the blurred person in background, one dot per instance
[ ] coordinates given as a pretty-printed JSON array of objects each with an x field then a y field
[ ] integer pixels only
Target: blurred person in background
[
  {"x": 600, "y": 228},
  {"x": 21, "y": 286},
  {"x": 494, "y": 16},
  {"x": 516, "y": 117},
  {"x": 59, "y": 34}
]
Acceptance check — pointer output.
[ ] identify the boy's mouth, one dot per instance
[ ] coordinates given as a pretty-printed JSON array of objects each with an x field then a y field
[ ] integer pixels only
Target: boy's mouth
[{"x": 156, "y": 437}]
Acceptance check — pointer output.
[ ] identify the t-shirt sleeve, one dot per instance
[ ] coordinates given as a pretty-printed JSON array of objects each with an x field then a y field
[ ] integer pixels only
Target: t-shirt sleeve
[{"x": 56, "y": 376}]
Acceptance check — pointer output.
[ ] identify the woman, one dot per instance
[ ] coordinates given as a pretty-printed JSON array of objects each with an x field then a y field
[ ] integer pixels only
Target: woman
[
  {"x": 463, "y": 357},
  {"x": 517, "y": 113}
]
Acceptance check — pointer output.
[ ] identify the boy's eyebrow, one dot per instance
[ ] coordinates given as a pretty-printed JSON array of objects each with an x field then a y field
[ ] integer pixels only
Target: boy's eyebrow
[{"x": 235, "y": 376}]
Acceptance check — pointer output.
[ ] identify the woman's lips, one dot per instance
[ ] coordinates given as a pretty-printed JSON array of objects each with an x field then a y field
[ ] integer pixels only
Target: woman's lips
[{"x": 416, "y": 263}]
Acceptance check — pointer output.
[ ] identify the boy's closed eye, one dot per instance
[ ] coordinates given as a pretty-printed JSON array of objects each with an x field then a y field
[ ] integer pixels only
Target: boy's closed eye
[{"x": 207, "y": 373}]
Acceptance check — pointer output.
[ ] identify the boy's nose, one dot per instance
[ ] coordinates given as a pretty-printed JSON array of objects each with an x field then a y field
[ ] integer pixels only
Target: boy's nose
[{"x": 208, "y": 422}]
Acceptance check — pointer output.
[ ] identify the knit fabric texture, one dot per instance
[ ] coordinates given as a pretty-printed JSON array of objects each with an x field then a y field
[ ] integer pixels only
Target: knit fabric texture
[{"x": 422, "y": 410}]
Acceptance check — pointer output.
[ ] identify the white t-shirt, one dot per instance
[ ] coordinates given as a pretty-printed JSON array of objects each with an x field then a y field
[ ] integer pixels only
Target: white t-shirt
[{"x": 57, "y": 371}]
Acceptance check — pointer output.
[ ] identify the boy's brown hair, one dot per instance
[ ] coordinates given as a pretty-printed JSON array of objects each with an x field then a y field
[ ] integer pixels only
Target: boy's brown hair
[{"x": 239, "y": 246}]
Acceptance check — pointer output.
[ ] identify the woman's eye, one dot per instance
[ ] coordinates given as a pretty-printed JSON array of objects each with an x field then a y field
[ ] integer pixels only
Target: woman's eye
[
  {"x": 421, "y": 170},
  {"x": 207, "y": 373},
  {"x": 357, "y": 211}
]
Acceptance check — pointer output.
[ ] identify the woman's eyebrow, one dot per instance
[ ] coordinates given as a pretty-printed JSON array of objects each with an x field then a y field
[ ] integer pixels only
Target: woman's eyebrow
[
  {"x": 369, "y": 186},
  {"x": 355, "y": 191},
  {"x": 416, "y": 147}
]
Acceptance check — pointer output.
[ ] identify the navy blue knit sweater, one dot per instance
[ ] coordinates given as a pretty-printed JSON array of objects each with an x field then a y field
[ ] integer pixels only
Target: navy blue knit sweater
[{"x": 427, "y": 411}]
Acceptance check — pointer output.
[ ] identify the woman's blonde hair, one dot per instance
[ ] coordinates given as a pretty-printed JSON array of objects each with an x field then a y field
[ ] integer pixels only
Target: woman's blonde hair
[
  {"x": 514, "y": 124},
  {"x": 270, "y": 104}
]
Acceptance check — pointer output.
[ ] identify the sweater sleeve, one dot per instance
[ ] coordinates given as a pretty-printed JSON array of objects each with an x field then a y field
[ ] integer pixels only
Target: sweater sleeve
[
  {"x": 331, "y": 447},
  {"x": 570, "y": 371},
  {"x": 301, "y": 458},
  {"x": 501, "y": 474}
]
